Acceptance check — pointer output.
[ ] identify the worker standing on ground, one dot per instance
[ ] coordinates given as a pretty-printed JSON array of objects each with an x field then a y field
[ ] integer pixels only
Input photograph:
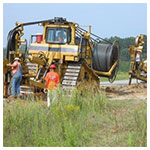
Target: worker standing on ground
[
  {"x": 16, "y": 78},
  {"x": 52, "y": 81}
]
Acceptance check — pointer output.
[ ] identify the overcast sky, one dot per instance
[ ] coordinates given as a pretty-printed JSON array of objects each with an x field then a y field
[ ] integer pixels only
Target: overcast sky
[{"x": 122, "y": 20}]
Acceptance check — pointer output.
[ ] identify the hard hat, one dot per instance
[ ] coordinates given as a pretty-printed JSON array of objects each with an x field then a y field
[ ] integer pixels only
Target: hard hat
[
  {"x": 52, "y": 66},
  {"x": 16, "y": 59}
]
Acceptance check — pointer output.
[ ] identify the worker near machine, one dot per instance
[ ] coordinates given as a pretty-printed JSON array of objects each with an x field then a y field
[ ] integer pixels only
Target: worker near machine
[
  {"x": 16, "y": 77},
  {"x": 52, "y": 81},
  {"x": 137, "y": 59}
]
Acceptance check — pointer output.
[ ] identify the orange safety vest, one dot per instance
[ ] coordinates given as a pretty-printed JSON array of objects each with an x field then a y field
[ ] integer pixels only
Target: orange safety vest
[{"x": 52, "y": 80}]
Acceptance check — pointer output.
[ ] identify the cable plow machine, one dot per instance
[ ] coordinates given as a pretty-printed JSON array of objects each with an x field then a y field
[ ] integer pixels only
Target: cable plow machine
[{"x": 80, "y": 56}]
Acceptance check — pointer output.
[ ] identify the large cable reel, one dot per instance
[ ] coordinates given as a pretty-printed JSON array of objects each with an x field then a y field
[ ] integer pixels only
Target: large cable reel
[{"x": 104, "y": 57}]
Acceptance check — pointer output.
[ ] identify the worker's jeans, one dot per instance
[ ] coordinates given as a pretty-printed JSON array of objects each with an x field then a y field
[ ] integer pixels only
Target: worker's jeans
[
  {"x": 51, "y": 96},
  {"x": 15, "y": 85}
]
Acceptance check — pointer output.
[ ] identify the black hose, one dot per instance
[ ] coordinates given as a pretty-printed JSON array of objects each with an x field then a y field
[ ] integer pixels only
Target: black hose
[
  {"x": 11, "y": 42},
  {"x": 13, "y": 32}
]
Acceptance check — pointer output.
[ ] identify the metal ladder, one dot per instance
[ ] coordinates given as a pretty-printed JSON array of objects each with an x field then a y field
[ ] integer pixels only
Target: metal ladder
[
  {"x": 25, "y": 89},
  {"x": 71, "y": 76}
]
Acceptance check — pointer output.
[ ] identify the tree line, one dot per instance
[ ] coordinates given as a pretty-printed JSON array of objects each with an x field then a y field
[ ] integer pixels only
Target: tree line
[{"x": 125, "y": 44}]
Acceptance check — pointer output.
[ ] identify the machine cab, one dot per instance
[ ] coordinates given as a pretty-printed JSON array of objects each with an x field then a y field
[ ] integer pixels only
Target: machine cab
[{"x": 58, "y": 38}]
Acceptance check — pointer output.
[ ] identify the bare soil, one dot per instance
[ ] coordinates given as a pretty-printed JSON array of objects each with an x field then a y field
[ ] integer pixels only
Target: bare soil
[{"x": 127, "y": 92}]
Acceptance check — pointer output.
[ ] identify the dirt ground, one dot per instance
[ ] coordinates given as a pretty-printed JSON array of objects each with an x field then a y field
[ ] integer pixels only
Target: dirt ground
[{"x": 127, "y": 92}]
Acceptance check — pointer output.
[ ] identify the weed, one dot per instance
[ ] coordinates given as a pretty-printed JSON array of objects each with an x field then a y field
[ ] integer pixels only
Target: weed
[{"x": 83, "y": 118}]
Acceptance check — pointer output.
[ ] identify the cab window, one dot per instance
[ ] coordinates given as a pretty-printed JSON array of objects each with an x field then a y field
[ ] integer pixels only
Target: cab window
[{"x": 58, "y": 35}]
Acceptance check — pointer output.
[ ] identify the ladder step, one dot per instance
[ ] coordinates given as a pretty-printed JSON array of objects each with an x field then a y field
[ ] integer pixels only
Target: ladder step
[
  {"x": 31, "y": 64},
  {"x": 71, "y": 74},
  {"x": 26, "y": 88},
  {"x": 25, "y": 92},
  {"x": 32, "y": 67},
  {"x": 70, "y": 77},
  {"x": 74, "y": 67},
  {"x": 72, "y": 70},
  {"x": 69, "y": 82}
]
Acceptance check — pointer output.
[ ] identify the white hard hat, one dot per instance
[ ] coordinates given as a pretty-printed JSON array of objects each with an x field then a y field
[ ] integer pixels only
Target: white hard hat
[{"x": 16, "y": 58}]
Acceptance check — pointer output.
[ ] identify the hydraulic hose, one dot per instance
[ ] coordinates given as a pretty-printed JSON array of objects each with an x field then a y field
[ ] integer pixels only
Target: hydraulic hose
[
  {"x": 11, "y": 42},
  {"x": 13, "y": 32}
]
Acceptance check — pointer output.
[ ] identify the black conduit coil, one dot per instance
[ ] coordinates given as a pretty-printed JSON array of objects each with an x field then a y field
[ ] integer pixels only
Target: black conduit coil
[{"x": 104, "y": 56}]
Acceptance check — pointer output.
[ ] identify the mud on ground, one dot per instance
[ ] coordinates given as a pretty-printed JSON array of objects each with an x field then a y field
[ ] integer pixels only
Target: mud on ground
[{"x": 127, "y": 92}]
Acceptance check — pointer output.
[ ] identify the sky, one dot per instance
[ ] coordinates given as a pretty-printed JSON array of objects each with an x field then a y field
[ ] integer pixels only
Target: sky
[{"x": 111, "y": 19}]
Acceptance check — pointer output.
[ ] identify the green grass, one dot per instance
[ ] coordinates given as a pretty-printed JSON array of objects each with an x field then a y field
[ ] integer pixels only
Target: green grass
[
  {"x": 122, "y": 126},
  {"x": 123, "y": 71},
  {"x": 124, "y": 66},
  {"x": 86, "y": 118},
  {"x": 120, "y": 76}
]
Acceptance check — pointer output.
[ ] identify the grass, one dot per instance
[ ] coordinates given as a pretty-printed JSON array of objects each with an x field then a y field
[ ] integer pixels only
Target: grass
[
  {"x": 86, "y": 118},
  {"x": 124, "y": 66},
  {"x": 123, "y": 71},
  {"x": 120, "y": 76},
  {"x": 124, "y": 125}
]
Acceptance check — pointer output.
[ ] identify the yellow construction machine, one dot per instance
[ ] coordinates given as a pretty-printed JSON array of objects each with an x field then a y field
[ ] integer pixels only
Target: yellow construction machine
[
  {"x": 80, "y": 56},
  {"x": 138, "y": 66}
]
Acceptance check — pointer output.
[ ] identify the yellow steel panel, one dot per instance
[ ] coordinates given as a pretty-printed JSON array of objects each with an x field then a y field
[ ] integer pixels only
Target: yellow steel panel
[
  {"x": 54, "y": 45},
  {"x": 69, "y": 58},
  {"x": 58, "y": 55}
]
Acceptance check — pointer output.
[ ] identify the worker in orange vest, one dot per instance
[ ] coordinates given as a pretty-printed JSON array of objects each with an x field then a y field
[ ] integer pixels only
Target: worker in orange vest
[{"x": 52, "y": 81}]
